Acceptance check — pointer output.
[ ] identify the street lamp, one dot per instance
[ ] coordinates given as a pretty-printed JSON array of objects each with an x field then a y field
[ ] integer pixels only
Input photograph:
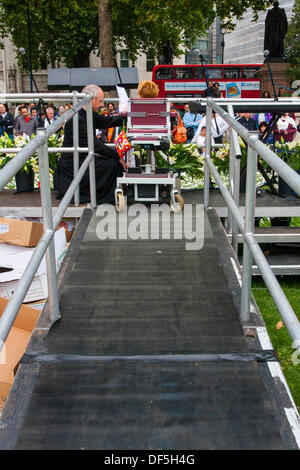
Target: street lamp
[
  {"x": 267, "y": 59},
  {"x": 22, "y": 51}
]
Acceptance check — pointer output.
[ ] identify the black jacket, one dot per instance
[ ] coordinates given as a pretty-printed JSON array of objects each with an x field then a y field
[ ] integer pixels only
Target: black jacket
[
  {"x": 250, "y": 125},
  {"x": 99, "y": 122},
  {"x": 6, "y": 124}
]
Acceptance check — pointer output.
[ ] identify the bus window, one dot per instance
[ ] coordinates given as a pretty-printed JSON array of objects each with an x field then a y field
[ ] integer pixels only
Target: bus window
[
  {"x": 250, "y": 72},
  {"x": 214, "y": 73},
  {"x": 198, "y": 72},
  {"x": 232, "y": 72},
  {"x": 164, "y": 73},
  {"x": 183, "y": 73}
]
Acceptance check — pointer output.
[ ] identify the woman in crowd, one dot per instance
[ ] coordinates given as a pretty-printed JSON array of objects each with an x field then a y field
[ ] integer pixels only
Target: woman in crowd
[
  {"x": 286, "y": 128},
  {"x": 201, "y": 140},
  {"x": 270, "y": 139}
]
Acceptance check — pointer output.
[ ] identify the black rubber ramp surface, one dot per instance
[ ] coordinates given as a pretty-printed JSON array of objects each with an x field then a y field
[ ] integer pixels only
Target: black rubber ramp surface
[{"x": 139, "y": 358}]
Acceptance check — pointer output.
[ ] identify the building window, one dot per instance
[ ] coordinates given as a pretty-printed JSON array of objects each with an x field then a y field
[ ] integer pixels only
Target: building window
[
  {"x": 124, "y": 61},
  {"x": 201, "y": 46},
  {"x": 149, "y": 62}
]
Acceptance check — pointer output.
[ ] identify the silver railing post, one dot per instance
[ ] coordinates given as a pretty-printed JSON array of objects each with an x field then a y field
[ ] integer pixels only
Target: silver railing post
[
  {"x": 48, "y": 226},
  {"x": 235, "y": 155},
  {"x": 235, "y": 189},
  {"x": 236, "y": 193},
  {"x": 76, "y": 145},
  {"x": 249, "y": 229},
  {"x": 231, "y": 179},
  {"x": 92, "y": 172},
  {"x": 207, "y": 154}
]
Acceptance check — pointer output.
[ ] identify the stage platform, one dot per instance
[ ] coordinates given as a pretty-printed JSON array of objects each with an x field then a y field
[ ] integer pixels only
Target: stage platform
[{"x": 269, "y": 205}]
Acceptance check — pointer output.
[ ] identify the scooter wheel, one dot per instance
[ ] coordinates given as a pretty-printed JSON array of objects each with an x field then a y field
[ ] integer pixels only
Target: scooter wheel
[
  {"x": 120, "y": 203},
  {"x": 179, "y": 204}
]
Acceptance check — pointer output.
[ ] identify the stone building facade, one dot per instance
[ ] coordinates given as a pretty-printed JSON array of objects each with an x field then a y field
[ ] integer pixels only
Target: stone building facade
[{"x": 245, "y": 45}]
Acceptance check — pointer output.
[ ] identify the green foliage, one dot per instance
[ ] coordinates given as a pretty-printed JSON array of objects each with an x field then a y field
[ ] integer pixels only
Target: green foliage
[
  {"x": 184, "y": 159},
  {"x": 290, "y": 153},
  {"x": 68, "y": 30},
  {"x": 220, "y": 157},
  {"x": 148, "y": 24},
  {"x": 32, "y": 163},
  {"x": 280, "y": 338},
  {"x": 61, "y": 30},
  {"x": 292, "y": 43}
]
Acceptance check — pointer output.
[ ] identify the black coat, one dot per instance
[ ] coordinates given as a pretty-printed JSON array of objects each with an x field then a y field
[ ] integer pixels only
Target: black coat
[
  {"x": 7, "y": 124},
  {"x": 249, "y": 124},
  {"x": 107, "y": 164}
]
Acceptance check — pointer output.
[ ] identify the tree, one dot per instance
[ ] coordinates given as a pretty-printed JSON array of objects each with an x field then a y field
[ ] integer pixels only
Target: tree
[
  {"x": 147, "y": 25},
  {"x": 66, "y": 30},
  {"x": 292, "y": 43},
  {"x": 151, "y": 23},
  {"x": 60, "y": 30},
  {"x": 105, "y": 33}
]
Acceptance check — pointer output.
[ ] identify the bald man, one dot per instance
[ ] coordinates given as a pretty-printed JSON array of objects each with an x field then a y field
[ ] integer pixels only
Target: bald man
[{"x": 108, "y": 165}]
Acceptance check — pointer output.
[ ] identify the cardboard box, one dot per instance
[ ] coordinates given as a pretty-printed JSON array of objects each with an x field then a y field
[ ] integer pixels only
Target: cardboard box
[
  {"x": 15, "y": 346},
  {"x": 69, "y": 226},
  {"x": 20, "y": 232},
  {"x": 13, "y": 261},
  {"x": 38, "y": 289}
]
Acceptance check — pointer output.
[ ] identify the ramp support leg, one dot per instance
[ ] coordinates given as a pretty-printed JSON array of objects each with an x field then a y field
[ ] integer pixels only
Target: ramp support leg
[{"x": 249, "y": 228}]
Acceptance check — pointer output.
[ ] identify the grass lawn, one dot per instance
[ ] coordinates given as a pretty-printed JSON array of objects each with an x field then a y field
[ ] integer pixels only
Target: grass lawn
[{"x": 279, "y": 336}]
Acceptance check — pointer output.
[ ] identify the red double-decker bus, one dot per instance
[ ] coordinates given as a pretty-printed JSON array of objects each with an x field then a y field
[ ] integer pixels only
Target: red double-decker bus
[{"x": 188, "y": 81}]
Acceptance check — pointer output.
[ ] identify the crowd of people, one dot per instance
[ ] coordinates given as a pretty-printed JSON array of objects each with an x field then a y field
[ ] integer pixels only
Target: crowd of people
[
  {"x": 285, "y": 129},
  {"x": 107, "y": 119},
  {"x": 27, "y": 118}
]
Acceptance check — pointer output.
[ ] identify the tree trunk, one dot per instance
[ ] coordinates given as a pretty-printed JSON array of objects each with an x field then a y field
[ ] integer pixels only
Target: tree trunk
[{"x": 105, "y": 33}]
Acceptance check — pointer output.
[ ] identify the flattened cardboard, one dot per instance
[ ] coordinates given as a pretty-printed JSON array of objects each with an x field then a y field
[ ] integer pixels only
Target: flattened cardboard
[
  {"x": 16, "y": 258},
  {"x": 15, "y": 346},
  {"x": 38, "y": 289}
]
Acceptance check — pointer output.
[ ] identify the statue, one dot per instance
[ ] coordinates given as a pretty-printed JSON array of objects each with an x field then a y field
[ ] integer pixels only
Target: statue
[
  {"x": 275, "y": 30},
  {"x": 168, "y": 53}
]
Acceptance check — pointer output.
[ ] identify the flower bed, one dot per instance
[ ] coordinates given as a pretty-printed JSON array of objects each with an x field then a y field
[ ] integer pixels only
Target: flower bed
[{"x": 56, "y": 140}]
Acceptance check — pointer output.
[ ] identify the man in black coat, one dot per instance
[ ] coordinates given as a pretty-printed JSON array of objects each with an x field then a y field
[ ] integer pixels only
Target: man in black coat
[
  {"x": 209, "y": 91},
  {"x": 248, "y": 122},
  {"x": 108, "y": 165},
  {"x": 6, "y": 122}
]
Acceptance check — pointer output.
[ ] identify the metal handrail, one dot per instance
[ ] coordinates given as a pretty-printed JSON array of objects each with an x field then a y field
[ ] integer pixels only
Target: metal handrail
[
  {"x": 245, "y": 225},
  {"x": 46, "y": 243},
  {"x": 9, "y": 171}
]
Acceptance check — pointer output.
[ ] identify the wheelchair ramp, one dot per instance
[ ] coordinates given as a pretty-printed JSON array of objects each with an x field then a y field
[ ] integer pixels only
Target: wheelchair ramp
[{"x": 149, "y": 354}]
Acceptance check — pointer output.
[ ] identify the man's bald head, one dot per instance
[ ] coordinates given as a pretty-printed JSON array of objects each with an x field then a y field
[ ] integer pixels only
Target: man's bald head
[{"x": 98, "y": 96}]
